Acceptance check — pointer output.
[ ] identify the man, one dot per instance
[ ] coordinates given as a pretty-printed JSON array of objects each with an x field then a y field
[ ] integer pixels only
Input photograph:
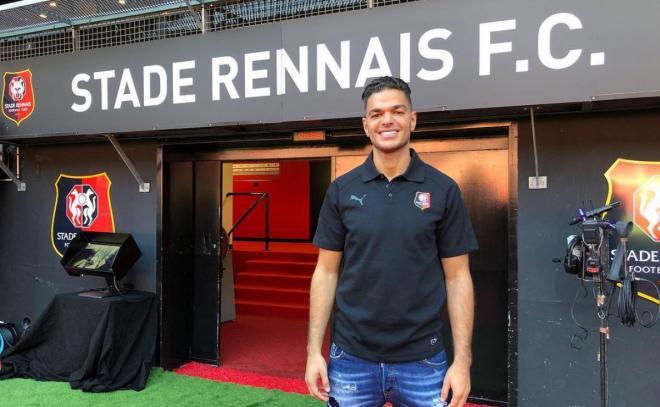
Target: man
[{"x": 393, "y": 238}]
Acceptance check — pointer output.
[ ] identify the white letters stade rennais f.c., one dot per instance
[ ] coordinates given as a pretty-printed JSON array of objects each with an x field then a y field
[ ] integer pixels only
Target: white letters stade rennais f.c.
[{"x": 255, "y": 67}]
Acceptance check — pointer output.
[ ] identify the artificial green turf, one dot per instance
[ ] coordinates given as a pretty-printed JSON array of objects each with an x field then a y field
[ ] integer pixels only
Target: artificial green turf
[{"x": 163, "y": 389}]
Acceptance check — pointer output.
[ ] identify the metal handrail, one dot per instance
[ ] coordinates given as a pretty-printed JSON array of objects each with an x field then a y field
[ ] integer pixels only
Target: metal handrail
[{"x": 262, "y": 196}]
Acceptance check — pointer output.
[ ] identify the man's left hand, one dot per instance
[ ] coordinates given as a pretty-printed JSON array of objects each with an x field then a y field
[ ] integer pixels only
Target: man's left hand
[{"x": 458, "y": 380}]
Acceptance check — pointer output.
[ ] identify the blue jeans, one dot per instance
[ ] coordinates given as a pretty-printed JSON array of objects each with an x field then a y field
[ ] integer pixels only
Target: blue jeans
[{"x": 355, "y": 382}]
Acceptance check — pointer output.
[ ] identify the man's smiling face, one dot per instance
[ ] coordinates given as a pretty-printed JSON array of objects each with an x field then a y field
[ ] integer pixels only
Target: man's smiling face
[{"x": 389, "y": 120}]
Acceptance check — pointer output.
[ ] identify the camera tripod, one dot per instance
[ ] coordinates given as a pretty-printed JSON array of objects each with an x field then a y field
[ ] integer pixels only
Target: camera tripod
[{"x": 596, "y": 232}]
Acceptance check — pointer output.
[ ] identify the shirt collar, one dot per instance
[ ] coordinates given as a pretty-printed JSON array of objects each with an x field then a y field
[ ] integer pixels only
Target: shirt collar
[{"x": 415, "y": 171}]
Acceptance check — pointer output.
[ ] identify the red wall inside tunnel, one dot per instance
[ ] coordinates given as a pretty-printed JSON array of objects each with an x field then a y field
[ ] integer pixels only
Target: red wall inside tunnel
[{"x": 288, "y": 191}]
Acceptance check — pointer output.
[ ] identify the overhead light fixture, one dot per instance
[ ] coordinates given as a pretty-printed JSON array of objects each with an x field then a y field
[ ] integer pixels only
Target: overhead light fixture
[
  {"x": 122, "y": 2},
  {"x": 42, "y": 15},
  {"x": 53, "y": 4}
]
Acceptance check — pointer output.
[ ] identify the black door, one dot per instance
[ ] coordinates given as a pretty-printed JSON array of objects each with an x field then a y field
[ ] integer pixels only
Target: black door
[
  {"x": 177, "y": 265},
  {"x": 207, "y": 265},
  {"x": 191, "y": 274}
]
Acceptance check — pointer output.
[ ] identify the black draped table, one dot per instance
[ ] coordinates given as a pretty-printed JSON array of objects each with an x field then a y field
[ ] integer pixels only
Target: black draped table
[{"x": 95, "y": 344}]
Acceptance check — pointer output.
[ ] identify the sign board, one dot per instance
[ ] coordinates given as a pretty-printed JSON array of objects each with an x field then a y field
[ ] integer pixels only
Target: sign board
[{"x": 456, "y": 54}]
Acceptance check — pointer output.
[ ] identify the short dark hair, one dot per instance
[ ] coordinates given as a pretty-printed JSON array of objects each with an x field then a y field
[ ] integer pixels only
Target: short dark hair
[{"x": 385, "y": 82}]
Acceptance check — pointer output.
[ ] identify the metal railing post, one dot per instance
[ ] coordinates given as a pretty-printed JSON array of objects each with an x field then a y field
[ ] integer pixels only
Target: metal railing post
[
  {"x": 267, "y": 223},
  {"x": 262, "y": 195}
]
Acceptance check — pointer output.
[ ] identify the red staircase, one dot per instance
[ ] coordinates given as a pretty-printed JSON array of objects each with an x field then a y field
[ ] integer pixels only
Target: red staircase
[{"x": 273, "y": 283}]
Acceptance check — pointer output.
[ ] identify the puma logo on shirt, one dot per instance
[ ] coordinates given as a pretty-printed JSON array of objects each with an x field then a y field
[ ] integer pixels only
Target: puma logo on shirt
[{"x": 355, "y": 198}]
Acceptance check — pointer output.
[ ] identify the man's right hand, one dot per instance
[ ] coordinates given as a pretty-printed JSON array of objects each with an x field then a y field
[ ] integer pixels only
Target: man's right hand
[
  {"x": 321, "y": 300},
  {"x": 316, "y": 377}
]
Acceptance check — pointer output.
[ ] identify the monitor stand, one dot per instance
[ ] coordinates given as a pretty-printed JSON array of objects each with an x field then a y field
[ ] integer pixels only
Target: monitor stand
[
  {"x": 113, "y": 289},
  {"x": 98, "y": 293}
]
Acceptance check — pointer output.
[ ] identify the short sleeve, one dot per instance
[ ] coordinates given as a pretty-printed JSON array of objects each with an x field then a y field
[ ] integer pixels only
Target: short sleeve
[
  {"x": 455, "y": 235},
  {"x": 330, "y": 231}
]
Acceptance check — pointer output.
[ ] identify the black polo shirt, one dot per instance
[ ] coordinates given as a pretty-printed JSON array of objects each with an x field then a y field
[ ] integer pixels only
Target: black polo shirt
[{"x": 392, "y": 234}]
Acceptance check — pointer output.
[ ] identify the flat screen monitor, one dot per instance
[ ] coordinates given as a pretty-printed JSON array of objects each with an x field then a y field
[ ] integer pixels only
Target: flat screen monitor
[
  {"x": 95, "y": 257},
  {"x": 103, "y": 254}
]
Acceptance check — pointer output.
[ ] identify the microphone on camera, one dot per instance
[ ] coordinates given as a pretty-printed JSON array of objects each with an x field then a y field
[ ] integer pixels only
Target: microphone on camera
[{"x": 594, "y": 212}]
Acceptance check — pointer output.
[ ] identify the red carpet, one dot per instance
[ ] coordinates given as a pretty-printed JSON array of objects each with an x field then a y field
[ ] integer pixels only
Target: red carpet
[
  {"x": 259, "y": 351},
  {"x": 228, "y": 375},
  {"x": 267, "y": 345}
]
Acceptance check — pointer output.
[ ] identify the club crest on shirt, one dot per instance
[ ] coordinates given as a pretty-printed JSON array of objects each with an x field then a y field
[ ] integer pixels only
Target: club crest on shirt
[{"x": 422, "y": 200}]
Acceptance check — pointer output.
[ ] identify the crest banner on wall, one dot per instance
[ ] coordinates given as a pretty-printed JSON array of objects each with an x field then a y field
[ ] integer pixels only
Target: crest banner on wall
[
  {"x": 17, "y": 96},
  {"x": 82, "y": 203},
  {"x": 637, "y": 185}
]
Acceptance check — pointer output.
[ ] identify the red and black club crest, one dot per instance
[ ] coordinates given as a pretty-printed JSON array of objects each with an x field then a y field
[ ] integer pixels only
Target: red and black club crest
[
  {"x": 17, "y": 96},
  {"x": 82, "y": 203},
  {"x": 637, "y": 185},
  {"x": 422, "y": 200}
]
